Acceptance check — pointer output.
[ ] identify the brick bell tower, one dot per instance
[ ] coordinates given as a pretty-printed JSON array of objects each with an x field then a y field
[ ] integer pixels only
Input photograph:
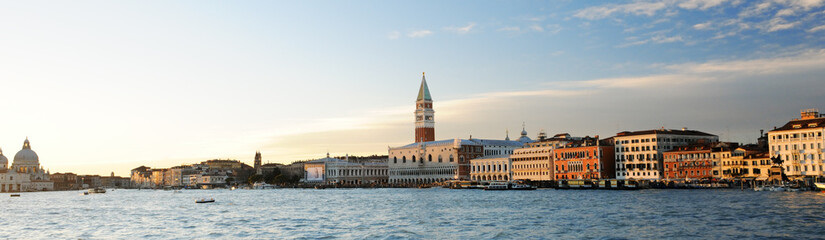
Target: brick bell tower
[{"x": 424, "y": 121}]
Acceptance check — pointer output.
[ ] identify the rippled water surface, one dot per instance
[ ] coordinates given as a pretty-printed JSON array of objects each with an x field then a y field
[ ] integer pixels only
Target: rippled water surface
[{"x": 415, "y": 213}]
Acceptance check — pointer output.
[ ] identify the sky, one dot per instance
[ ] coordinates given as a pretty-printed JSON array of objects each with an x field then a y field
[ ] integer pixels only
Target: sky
[{"x": 107, "y": 86}]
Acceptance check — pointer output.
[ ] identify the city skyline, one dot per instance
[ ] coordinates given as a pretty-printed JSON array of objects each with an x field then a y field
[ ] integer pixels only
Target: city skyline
[{"x": 103, "y": 87}]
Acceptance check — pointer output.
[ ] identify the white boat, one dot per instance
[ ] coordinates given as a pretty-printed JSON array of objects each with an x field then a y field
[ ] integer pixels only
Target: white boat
[
  {"x": 820, "y": 186},
  {"x": 96, "y": 190},
  {"x": 776, "y": 189},
  {"x": 497, "y": 186}
]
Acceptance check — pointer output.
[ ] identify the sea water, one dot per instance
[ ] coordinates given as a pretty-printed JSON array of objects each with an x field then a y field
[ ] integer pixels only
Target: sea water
[{"x": 434, "y": 213}]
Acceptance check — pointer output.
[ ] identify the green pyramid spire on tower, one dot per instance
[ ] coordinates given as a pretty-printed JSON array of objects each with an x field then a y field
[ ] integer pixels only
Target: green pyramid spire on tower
[{"x": 424, "y": 91}]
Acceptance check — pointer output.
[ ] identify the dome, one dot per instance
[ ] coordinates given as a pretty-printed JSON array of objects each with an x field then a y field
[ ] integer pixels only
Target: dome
[
  {"x": 26, "y": 156},
  {"x": 3, "y": 160}
]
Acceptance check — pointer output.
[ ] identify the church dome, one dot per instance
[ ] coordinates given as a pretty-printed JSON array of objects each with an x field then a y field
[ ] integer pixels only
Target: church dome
[
  {"x": 3, "y": 160},
  {"x": 26, "y": 156}
]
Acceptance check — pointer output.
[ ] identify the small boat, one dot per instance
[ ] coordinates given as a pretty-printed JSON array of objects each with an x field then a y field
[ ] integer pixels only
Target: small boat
[
  {"x": 820, "y": 186},
  {"x": 204, "y": 200},
  {"x": 516, "y": 185},
  {"x": 96, "y": 190},
  {"x": 15, "y": 195}
]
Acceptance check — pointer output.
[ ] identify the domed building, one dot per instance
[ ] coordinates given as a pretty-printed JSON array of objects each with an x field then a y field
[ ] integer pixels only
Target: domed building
[{"x": 25, "y": 173}]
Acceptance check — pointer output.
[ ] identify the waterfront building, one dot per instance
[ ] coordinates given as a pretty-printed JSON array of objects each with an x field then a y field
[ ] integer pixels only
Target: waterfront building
[
  {"x": 799, "y": 143},
  {"x": 435, "y": 161},
  {"x": 66, "y": 181},
  {"x": 756, "y": 166},
  {"x": 141, "y": 177},
  {"x": 695, "y": 161},
  {"x": 491, "y": 168},
  {"x": 25, "y": 172},
  {"x": 113, "y": 181},
  {"x": 91, "y": 181},
  {"x": 346, "y": 171},
  {"x": 588, "y": 158},
  {"x": 639, "y": 154},
  {"x": 534, "y": 162}
]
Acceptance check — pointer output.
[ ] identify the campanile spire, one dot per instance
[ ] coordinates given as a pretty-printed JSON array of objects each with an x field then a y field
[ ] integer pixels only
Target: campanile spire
[{"x": 424, "y": 114}]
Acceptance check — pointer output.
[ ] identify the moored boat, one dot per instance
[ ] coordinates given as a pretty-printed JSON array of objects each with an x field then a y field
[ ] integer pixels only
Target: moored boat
[
  {"x": 204, "y": 200},
  {"x": 820, "y": 186}
]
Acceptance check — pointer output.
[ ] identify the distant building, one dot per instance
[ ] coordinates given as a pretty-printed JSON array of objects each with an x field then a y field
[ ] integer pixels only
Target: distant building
[
  {"x": 535, "y": 162},
  {"x": 799, "y": 143},
  {"x": 588, "y": 158},
  {"x": 257, "y": 164},
  {"x": 639, "y": 153},
  {"x": 343, "y": 171},
  {"x": 25, "y": 173},
  {"x": 113, "y": 181},
  {"x": 66, "y": 181},
  {"x": 141, "y": 177},
  {"x": 491, "y": 168}
]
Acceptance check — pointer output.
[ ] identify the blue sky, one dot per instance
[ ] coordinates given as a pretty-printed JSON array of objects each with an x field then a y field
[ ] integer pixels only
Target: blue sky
[{"x": 103, "y": 86}]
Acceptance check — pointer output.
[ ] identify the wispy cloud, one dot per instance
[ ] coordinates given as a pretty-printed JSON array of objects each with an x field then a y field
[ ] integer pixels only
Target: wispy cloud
[
  {"x": 701, "y": 4},
  {"x": 509, "y": 29},
  {"x": 636, "y": 8},
  {"x": 419, "y": 33},
  {"x": 817, "y": 28},
  {"x": 702, "y": 26},
  {"x": 461, "y": 30}
]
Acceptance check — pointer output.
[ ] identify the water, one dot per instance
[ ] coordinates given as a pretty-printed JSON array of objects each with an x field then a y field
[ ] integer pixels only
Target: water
[{"x": 414, "y": 214}]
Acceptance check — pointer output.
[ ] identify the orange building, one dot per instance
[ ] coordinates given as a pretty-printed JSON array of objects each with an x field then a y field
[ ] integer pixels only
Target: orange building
[
  {"x": 588, "y": 158},
  {"x": 695, "y": 161}
]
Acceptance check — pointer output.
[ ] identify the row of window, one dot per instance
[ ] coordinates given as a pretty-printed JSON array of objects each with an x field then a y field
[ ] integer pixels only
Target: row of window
[
  {"x": 631, "y": 157},
  {"x": 429, "y": 158},
  {"x": 796, "y": 135},
  {"x": 489, "y": 168},
  {"x": 636, "y": 174},
  {"x": 796, "y": 147}
]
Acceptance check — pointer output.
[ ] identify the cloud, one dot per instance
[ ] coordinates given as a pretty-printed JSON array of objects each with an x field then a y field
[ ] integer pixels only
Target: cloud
[
  {"x": 817, "y": 28},
  {"x": 636, "y": 8},
  {"x": 393, "y": 35},
  {"x": 537, "y": 28},
  {"x": 702, "y": 26},
  {"x": 419, "y": 33},
  {"x": 777, "y": 24},
  {"x": 462, "y": 30},
  {"x": 657, "y": 38},
  {"x": 700, "y": 4}
]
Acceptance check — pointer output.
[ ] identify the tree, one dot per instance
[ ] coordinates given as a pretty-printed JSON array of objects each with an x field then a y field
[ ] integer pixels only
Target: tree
[{"x": 254, "y": 178}]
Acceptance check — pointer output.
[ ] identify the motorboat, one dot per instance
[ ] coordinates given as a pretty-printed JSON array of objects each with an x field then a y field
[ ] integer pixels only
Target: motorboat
[
  {"x": 96, "y": 190},
  {"x": 517, "y": 185},
  {"x": 204, "y": 200},
  {"x": 497, "y": 186},
  {"x": 15, "y": 195}
]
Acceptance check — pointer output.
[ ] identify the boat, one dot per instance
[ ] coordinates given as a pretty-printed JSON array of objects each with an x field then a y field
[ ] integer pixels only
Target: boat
[
  {"x": 497, "y": 186},
  {"x": 204, "y": 200},
  {"x": 521, "y": 186},
  {"x": 96, "y": 190},
  {"x": 820, "y": 186},
  {"x": 516, "y": 185},
  {"x": 15, "y": 195}
]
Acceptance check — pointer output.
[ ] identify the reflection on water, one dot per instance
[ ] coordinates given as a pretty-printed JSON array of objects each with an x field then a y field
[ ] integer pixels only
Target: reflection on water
[{"x": 415, "y": 213}]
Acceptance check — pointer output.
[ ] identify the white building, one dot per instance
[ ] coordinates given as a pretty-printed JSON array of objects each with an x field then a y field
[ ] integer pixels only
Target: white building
[
  {"x": 343, "y": 171},
  {"x": 436, "y": 161},
  {"x": 25, "y": 173},
  {"x": 491, "y": 168},
  {"x": 799, "y": 143},
  {"x": 639, "y": 153}
]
